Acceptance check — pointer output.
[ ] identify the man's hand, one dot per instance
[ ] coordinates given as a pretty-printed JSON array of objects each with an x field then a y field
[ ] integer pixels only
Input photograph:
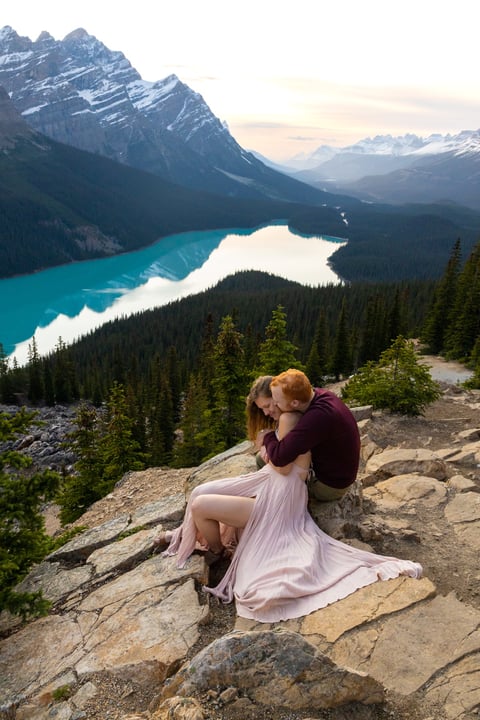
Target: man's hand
[{"x": 263, "y": 454}]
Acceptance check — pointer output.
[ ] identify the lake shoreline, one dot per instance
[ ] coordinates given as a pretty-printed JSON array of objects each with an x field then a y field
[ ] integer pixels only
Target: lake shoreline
[{"x": 71, "y": 300}]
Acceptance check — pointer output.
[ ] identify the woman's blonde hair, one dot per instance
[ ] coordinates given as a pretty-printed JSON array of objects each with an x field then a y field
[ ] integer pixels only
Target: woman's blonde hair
[
  {"x": 294, "y": 384},
  {"x": 256, "y": 419}
]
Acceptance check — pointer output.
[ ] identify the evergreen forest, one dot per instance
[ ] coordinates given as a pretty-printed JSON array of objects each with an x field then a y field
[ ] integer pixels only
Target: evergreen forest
[{"x": 183, "y": 370}]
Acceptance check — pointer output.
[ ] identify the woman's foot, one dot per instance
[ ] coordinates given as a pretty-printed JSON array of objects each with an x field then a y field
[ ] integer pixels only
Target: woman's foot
[{"x": 162, "y": 540}]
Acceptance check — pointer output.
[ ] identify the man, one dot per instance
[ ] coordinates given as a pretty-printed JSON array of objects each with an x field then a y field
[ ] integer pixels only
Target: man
[{"x": 327, "y": 429}]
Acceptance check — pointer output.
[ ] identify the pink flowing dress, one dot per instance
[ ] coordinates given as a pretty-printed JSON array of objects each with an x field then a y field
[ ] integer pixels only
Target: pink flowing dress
[{"x": 284, "y": 566}]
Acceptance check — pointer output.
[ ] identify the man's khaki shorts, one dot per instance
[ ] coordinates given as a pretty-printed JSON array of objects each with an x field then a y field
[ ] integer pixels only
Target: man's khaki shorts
[{"x": 317, "y": 490}]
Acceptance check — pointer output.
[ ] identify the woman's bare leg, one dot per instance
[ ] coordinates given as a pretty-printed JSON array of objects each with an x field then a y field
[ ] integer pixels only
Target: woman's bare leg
[{"x": 210, "y": 510}]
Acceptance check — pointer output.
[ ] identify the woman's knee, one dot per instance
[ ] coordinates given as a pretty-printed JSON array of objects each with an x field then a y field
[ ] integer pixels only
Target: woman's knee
[{"x": 198, "y": 504}]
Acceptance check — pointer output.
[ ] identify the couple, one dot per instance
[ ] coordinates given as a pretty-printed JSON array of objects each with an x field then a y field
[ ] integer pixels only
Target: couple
[{"x": 283, "y": 565}]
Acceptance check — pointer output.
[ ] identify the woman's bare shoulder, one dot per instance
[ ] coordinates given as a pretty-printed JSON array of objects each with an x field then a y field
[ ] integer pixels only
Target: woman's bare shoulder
[{"x": 287, "y": 421}]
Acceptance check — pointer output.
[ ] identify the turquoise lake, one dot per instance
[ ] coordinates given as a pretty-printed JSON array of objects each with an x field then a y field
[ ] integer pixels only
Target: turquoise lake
[{"x": 71, "y": 300}]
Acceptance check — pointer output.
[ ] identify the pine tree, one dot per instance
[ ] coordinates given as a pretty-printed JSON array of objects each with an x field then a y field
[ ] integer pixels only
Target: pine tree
[
  {"x": 23, "y": 540},
  {"x": 474, "y": 381},
  {"x": 313, "y": 368},
  {"x": 35, "y": 380},
  {"x": 136, "y": 405},
  {"x": 317, "y": 362},
  {"x": 64, "y": 380},
  {"x": 6, "y": 385},
  {"x": 342, "y": 354},
  {"x": 86, "y": 486},
  {"x": 119, "y": 451},
  {"x": 194, "y": 442},
  {"x": 441, "y": 312},
  {"x": 464, "y": 326},
  {"x": 276, "y": 353},
  {"x": 373, "y": 331},
  {"x": 397, "y": 381},
  {"x": 230, "y": 388}
]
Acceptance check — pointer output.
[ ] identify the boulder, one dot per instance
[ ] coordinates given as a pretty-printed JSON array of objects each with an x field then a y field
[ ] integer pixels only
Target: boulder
[
  {"x": 274, "y": 668},
  {"x": 402, "y": 461}
]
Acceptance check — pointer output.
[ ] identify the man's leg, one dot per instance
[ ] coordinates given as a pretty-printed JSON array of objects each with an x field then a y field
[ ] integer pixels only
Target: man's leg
[
  {"x": 259, "y": 461},
  {"x": 317, "y": 490}
]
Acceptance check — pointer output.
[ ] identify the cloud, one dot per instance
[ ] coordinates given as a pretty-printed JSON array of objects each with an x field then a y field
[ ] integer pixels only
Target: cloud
[
  {"x": 262, "y": 125},
  {"x": 302, "y": 138}
]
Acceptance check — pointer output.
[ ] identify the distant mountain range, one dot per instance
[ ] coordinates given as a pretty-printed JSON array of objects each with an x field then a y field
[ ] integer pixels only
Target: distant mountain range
[
  {"x": 77, "y": 91},
  {"x": 439, "y": 168}
]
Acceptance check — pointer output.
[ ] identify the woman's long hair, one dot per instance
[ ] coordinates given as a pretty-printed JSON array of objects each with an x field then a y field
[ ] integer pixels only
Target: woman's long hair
[{"x": 256, "y": 419}]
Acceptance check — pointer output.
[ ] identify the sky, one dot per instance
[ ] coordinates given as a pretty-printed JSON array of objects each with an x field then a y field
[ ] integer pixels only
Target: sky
[{"x": 288, "y": 77}]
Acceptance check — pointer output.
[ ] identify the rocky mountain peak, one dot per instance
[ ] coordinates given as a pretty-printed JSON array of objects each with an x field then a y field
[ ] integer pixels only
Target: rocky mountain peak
[
  {"x": 79, "y": 92},
  {"x": 45, "y": 37},
  {"x": 83, "y": 46},
  {"x": 78, "y": 34},
  {"x": 11, "y": 42}
]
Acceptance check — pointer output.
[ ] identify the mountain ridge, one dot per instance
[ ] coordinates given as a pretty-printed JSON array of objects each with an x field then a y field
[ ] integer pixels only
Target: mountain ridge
[
  {"x": 79, "y": 92},
  {"x": 402, "y": 169},
  {"x": 60, "y": 204},
  {"x": 396, "y": 145}
]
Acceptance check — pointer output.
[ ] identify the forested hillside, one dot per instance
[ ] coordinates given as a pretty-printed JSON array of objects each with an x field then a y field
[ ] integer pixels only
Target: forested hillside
[
  {"x": 59, "y": 204},
  {"x": 250, "y": 298},
  {"x": 333, "y": 329},
  {"x": 168, "y": 386},
  {"x": 412, "y": 241}
]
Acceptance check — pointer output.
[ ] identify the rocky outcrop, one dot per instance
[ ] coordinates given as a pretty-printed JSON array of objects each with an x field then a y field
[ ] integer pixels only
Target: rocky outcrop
[
  {"x": 44, "y": 441},
  {"x": 125, "y": 637}
]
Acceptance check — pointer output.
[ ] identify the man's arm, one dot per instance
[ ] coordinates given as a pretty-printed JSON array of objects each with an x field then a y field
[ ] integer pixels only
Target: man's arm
[
  {"x": 299, "y": 440},
  {"x": 286, "y": 423}
]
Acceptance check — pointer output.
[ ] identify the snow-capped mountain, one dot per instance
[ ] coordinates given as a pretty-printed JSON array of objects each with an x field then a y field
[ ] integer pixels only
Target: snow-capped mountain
[
  {"x": 388, "y": 145},
  {"x": 79, "y": 92},
  {"x": 401, "y": 169}
]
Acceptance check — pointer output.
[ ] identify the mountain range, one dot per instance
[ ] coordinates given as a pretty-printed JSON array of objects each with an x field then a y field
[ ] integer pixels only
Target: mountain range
[
  {"x": 408, "y": 168},
  {"x": 77, "y": 91},
  {"x": 96, "y": 161},
  {"x": 59, "y": 204}
]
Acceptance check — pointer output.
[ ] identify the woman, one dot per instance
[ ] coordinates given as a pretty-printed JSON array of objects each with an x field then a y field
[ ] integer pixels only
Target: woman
[
  {"x": 262, "y": 415},
  {"x": 284, "y": 566}
]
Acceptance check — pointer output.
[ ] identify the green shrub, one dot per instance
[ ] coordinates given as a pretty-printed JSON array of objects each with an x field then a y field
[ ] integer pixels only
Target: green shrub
[
  {"x": 396, "y": 382},
  {"x": 62, "y": 693},
  {"x": 23, "y": 540}
]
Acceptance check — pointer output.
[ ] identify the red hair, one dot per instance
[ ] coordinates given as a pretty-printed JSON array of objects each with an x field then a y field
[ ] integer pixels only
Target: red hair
[{"x": 294, "y": 384}]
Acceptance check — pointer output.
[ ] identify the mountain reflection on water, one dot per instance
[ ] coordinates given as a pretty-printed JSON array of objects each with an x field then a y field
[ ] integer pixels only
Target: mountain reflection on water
[{"x": 71, "y": 300}]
